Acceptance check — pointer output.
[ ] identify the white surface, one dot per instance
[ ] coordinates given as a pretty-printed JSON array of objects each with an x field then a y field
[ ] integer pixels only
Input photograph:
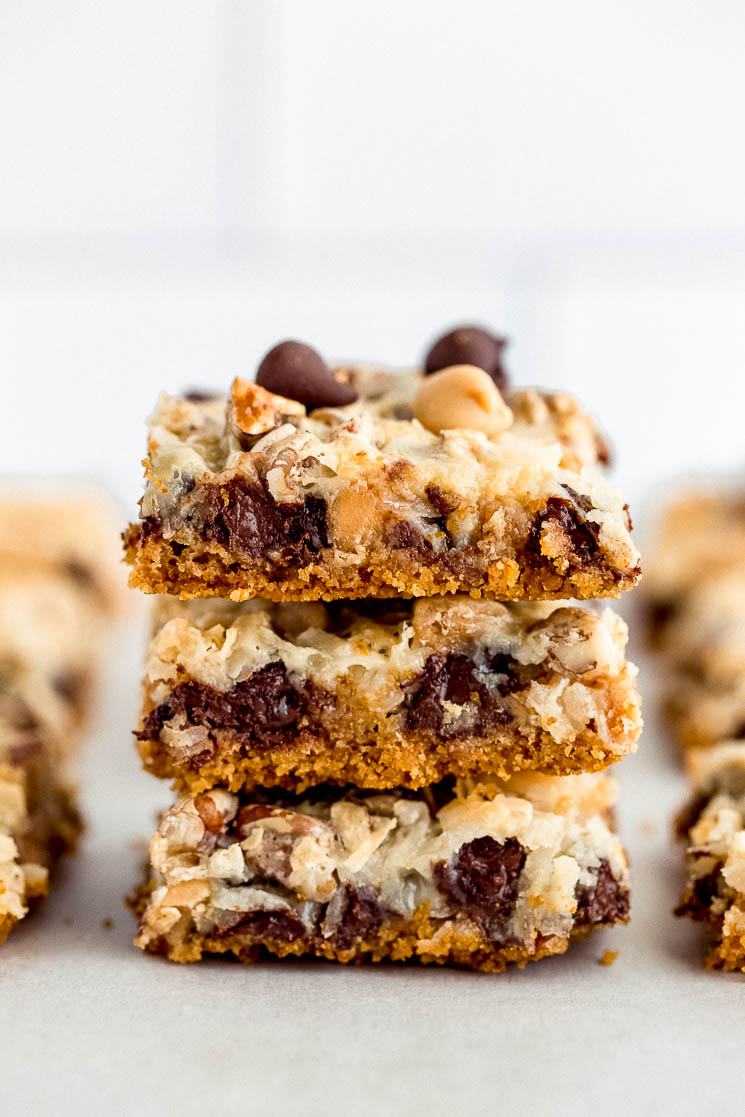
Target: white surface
[
  {"x": 90, "y": 1025},
  {"x": 329, "y": 117}
]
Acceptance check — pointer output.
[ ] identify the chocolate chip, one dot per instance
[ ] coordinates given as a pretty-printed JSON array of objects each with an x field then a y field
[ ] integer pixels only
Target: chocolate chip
[
  {"x": 298, "y": 372},
  {"x": 442, "y": 504},
  {"x": 606, "y": 902},
  {"x": 199, "y": 395},
  {"x": 361, "y": 916},
  {"x": 262, "y": 710},
  {"x": 469, "y": 345},
  {"x": 582, "y": 533},
  {"x": 246, "y": 519},
  {"x": 260, "y": 925},
  {"x": 483, "y": 879},
  {"x": 452, "y": 678},
  {"x": 697, "y": 903}
]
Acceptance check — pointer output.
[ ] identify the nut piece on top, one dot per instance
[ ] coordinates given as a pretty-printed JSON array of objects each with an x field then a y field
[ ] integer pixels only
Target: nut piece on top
[
  {"x": 253, "y": 410},
  {"x": 469, "y": 345}
]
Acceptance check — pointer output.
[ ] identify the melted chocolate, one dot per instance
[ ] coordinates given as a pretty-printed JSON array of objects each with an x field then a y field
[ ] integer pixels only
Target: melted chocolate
[
  {"x": 483, "y": 879},
  {"x": 261, "y": 925},
  {"x": 582, "y": 533},
  {"x": 262, "y": 711},
  {"x": 453, "y": 678},
  {"x": 361, "y": 916},
  {"x": 606, "y": 902},
  {"x": 246, "y": 519}
]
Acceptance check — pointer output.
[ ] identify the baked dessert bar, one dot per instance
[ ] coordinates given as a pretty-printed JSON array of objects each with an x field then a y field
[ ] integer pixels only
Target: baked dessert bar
[
  {"x": 65, "y": 531},
  {"x": 479, "y": 875},
  {"x": 699, "y": 536},
  {"x": 696, "y": 593},
  {"x": 55, "y": 599},
  {"x": 714, "y": 826},
  {"x": 38, "y": 823},
  {"x": 45, "y": 679},
  {"x": 315, "y": 483},
  {"x": 383, "y": 694}
]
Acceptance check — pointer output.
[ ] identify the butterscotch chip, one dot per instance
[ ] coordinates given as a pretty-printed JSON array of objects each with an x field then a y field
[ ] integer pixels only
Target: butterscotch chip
[
  {"x": 461, "y": 397},
  {"x": 355, "y": 516}
]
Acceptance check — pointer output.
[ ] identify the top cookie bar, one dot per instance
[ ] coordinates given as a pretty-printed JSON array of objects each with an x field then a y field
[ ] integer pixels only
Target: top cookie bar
[{"x": 358, "y": 482}]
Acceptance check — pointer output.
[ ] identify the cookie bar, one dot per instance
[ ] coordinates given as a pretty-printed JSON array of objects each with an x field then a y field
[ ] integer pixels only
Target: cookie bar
[
  {"x": 700, "y": 535},
  {"x": 714, "y": 827},
  {"x": 38, "y": 823},
  {"x": 67, "y": 532},
  {"x": 480, "y": 876},
  {"x": 696, "y": 594},
  {"x": 55, "y": 600},
  {"x": 324, "y": 484},
  {"x": 383, "y": 694}
]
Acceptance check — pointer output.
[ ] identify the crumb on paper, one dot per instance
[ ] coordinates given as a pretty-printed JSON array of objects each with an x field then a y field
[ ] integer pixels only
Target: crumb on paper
[
  {"x": 107, "y": 923},
  {"x": 647, "y": 827},
  {"x": 609, "y": 957}
]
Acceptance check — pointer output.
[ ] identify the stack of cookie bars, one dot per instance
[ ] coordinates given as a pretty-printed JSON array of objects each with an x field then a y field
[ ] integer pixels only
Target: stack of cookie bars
[
  {"x": 696, "y": 598},
  {"x": 387, "y": 728}
]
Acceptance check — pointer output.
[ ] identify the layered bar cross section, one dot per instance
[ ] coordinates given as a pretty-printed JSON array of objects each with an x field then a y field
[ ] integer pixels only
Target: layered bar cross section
[
  {"x": 383, "y": 694},
  {"x": 250, "y": 496},
  {"x": 480, "y": 874},
  {"x": 713, "y": 825}
]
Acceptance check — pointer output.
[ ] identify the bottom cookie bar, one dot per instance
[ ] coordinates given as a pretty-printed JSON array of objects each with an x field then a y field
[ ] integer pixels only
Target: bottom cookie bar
[
  {"x": 714, "y": 825},
  {"x": 480, "y": 874}
]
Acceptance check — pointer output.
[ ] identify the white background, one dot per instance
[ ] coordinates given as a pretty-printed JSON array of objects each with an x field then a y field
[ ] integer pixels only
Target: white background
[{"x": 183, "y": 183}]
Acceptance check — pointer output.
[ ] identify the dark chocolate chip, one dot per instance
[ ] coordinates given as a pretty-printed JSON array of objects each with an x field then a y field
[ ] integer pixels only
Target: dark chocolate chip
[
  {"x": 582, "y": 533},
  {"x": 404, "y": 535},
  {"x": 442, "y": 504},
  {"x": 246, "y": 518},
  {"x": 362, "y": 914},
  {"x": 452, "y": 678},
  {"x": 469, "y": 345},
  {"x": 199, "y": 395},
  {"x": 579, "y": 499},
  {"x": 263, "y": 710},
  {"x": 298, "y": 372},
  {"x": 260, "y": 925},
  {"x": 606, "y": 902},
  {"x": 483, "y": 879},
  {"x": 697, "y": 903}
]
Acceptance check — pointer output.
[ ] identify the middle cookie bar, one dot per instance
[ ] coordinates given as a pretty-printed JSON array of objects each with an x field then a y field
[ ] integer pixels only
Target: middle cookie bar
[{"x": 387, "y": 694}]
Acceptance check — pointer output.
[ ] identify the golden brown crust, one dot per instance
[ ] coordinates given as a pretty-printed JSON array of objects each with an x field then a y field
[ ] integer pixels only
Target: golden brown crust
[
  {"x": 729, "y": 952},
  {"x": 7, "y": 923},
  {"x": 383, "y": 759},
  {"x": 213, "y": 571},
  {"x": 419, "y": 939}
]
